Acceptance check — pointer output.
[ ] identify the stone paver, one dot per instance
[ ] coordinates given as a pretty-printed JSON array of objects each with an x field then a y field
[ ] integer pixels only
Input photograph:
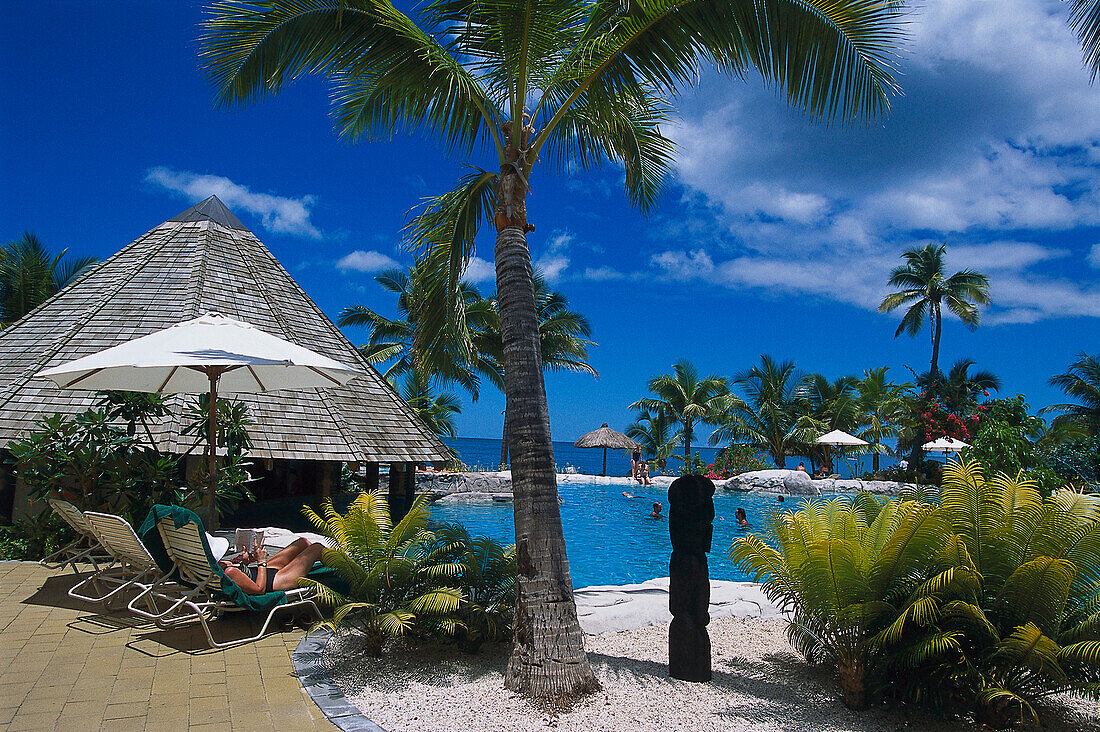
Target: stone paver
[{"x": 65, "y": 666}]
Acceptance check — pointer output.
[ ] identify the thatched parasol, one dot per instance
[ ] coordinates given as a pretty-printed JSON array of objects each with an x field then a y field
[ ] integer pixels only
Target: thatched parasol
[{"x": 606, "y": 437}]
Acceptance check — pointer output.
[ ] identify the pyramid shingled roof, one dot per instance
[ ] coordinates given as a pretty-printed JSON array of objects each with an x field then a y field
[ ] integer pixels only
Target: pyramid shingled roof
[{"x": 205, "y": 260}]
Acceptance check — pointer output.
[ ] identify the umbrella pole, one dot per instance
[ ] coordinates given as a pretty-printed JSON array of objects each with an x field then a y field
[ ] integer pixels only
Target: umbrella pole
[
  {"x": 212, "y": 436},
  {"x": 604, "y": 462}
]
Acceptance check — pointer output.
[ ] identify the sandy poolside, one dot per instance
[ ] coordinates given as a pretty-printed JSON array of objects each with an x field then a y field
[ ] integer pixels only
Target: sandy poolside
[{"x": 759, "y": 684}]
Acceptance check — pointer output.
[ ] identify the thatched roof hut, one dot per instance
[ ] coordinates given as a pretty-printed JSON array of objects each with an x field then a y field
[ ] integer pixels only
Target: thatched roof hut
[
  {"x": 206, "y": 260},
  {"x": 605, "y": 437}
]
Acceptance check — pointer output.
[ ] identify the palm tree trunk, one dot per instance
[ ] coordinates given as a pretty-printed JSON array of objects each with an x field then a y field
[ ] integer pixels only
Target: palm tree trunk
[
  {"x": 687, "y": 443},
  {"x": 548, "y": 660},
  {"x": 504, "y": 441},
  {"x": 935, "y": 367}
]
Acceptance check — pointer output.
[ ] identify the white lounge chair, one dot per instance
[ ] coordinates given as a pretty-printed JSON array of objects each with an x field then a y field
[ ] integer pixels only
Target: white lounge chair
[
  {"x": 86, "y": 548},
  {"x": 208, "y": 593},
  {"x": 131, "y": 567}
]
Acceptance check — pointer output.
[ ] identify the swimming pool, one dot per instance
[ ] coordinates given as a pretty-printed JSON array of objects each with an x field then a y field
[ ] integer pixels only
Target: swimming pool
[{"x": 610, "y": 539}]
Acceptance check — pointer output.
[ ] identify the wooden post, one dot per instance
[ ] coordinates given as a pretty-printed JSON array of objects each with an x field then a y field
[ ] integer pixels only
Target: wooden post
[
  {"x": 372, "y": 477},
  {"x": 326, "y": 479},
  {"x": 410, "y": 486},
  {"x": 396, "y": 498}
]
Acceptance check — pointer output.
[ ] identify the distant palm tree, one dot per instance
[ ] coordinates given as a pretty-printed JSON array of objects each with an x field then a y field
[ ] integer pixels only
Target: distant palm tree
[
  {"x": 1081, "y": 381},
  {"x": 30, "y": 275},
  {"x": 685, "y": 399},
  {"x": 653, "y": 431},
  {"x": 961, "y": 389},
  {"x": 437, "y": 411},
  {"x": 924, "y": 285},
  {"x": 455, "y": 358},
  {"x": 824, "y": 406},
  {"x": 766, "y": 416},
  {"x": 881, "y": 408}
]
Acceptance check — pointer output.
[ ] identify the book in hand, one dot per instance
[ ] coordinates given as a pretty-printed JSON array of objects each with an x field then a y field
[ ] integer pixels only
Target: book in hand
[{"x": 248, "y": 540}]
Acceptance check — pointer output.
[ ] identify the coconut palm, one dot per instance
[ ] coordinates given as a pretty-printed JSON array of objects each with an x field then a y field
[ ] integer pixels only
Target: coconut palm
[
  {"x": 564, "y": 338},
  {"x": 571, "y": 84},
  {"x": 1081, "y": 381},
  {"x": 824, "y": 406},
  {"x": 30, "y": 275},
  {"x": 685, "y": 399},
  {"x": 436, "y": 410},
  {"x": 653, "y": 431},
  {"x": 881, "y": 408},
  {"x": 766, "y": 417},
  {"x": 456, "y": 359},
  {"x": 928, "y": 290}
]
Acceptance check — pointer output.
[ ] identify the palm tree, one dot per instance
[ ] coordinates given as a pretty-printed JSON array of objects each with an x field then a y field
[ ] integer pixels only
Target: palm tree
[
  {"x": 564, "y": 338},
  {"x": 1081, "y": 381},
  {"x": 766, "y": 417},
  {"x": 881, "y": 407},
  {"x": 824, "y": 406},
  {"x": 961, "y": 389},
  {"x": 435, "y": 410},
  {"x": 571, "y": 84},
  {"x": 925, "y": 286},
  {"x": 454, "y": 360},
  {"x": 653, "y": 431},
  {"x": 30, "y": 275},
  {"x": 685, "y": 399}
]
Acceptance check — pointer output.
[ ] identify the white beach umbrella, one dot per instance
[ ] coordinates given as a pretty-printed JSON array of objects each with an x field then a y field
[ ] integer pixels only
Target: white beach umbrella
[
  {"x": 840, "y": 438},
  {"x": 204, "y": 355},
  {"x": 945, "y": 445}
]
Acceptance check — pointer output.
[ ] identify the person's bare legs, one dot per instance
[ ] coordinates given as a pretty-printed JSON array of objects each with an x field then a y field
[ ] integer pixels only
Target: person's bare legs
[
  {"x": 287, "y": 577},
  {"x": 287, "y": 555}
]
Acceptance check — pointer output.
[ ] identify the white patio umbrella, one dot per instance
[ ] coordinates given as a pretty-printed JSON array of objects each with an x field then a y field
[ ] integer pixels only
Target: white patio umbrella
[
  {"x": 840, "y": 438},
  {"x": 199, "y": 356},
  {"x": 945, "y": 445}
]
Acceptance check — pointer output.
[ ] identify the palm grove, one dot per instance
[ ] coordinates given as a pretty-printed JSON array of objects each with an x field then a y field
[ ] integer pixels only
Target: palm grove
[{"x": 564, "y": 83}]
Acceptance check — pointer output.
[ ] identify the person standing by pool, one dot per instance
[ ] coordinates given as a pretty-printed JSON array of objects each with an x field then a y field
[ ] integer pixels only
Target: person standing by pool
[{"x": 635, "y": 462}]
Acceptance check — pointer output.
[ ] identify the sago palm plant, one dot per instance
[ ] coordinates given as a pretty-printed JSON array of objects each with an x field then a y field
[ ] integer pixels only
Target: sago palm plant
[{"x": 398, "y": 576}]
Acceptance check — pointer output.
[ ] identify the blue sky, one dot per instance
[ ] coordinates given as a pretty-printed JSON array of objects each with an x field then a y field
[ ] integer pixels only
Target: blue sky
[{"x": 776, "y": 236}]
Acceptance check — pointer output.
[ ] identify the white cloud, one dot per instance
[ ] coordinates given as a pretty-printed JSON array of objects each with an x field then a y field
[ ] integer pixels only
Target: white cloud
[
  {"x": 555, "y": 260},
  {"x": 552, "y": 267},
  {"x": 480, "y": 270},
  {"x": 1094, "y": 255},
  {"x": 602, "y": 274},
  {"x": 279, "y": 214},
  {"x": 361, "y": 261},
  {"x": 994, "y": 146}
]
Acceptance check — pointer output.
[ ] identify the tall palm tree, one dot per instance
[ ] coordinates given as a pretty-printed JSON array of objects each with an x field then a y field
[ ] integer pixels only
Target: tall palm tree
[
  {"x": 685, "y": 399},
  {"x": 653, "y": 431},
  {"x": 928, "y": 290},
  {"x": 766, "y": 417},
  {"x": 1081, "y": 381},
  {"x": 564, "y": 338},
  {"x": 961, "y": 389},
  {"x": 881, "y": 408},
  {"x": 30, "y": 275},
  {"x": 1085, "y": 21},
  {"x": 571, "y": 83},
  {"x": 395, "y": 340},
  {"x": 436, "y": 410}
]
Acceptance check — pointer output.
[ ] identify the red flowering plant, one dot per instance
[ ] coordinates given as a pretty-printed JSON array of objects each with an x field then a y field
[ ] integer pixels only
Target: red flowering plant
[
  {"x": 935, "y": 420},
  {"x": 734, "y": 460}
]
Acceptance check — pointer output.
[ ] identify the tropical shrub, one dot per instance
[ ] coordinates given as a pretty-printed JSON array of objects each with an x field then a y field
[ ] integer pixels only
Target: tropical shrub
[
  {"x": 988, "y": 601},
  {"x": 404, "y": 579},
  {"x": 695, "y": 465},
  {"x": 34, "y": 538},
  {"x": 736, "y": 459},
  {"x": 1076, "y": 461},
  {"x": 1006, "y": 442}
]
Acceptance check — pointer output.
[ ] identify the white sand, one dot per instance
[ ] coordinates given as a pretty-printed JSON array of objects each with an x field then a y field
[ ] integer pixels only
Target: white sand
[{"x": 759, "y": 684}]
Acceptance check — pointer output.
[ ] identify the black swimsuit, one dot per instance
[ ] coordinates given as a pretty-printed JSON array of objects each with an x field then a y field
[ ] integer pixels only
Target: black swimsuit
[{"x": 253, "y": 572}]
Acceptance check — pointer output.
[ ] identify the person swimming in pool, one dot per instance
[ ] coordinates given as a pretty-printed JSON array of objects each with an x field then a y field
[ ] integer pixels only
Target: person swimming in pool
[
  {"x": 656, "y": 511},
  {"x": 742, "y": 519}
]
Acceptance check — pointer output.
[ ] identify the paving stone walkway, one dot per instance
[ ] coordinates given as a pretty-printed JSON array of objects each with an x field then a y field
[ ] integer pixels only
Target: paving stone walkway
[{"x": 65, "y": 666}]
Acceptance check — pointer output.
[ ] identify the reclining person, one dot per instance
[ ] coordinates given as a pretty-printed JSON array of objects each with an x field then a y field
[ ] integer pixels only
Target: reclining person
[{"x": 278, "y": 574}]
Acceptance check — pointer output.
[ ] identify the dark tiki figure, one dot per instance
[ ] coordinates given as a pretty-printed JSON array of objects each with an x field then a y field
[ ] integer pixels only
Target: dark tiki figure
[{"x": 690, "y": 517}]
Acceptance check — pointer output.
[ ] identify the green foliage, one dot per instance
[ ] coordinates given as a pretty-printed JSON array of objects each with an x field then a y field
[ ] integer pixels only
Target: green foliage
[
  {"x": 30, "y": 275},
  {"x": 404, "y": 579},
  {"x": 232, "y": 421},
  {"x": 1076, "y": 461},
  {"x": 96, "y": 463},
  {"x": 988, "y": 601},
  {"x": 34, "y": 538},
  {"x": 685, "y": 399},
  {"x": 696, "y": 465},
  {"x": 1006, "y": 442},
  {"x": 1081, "y": 382},
  {"x": 736, "y": 459},
  {"x": 767, "y": 414}
]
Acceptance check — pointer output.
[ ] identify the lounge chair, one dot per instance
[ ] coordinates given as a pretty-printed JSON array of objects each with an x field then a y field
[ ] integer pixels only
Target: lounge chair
[
  {"x": 86, "y": 548},
  {"x": 207, "y": 592},
  {"x": 132, "y": 566}
]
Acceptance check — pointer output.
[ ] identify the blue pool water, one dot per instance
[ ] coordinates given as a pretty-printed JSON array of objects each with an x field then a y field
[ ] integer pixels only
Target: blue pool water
[{"x": 611, "y": 540}]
